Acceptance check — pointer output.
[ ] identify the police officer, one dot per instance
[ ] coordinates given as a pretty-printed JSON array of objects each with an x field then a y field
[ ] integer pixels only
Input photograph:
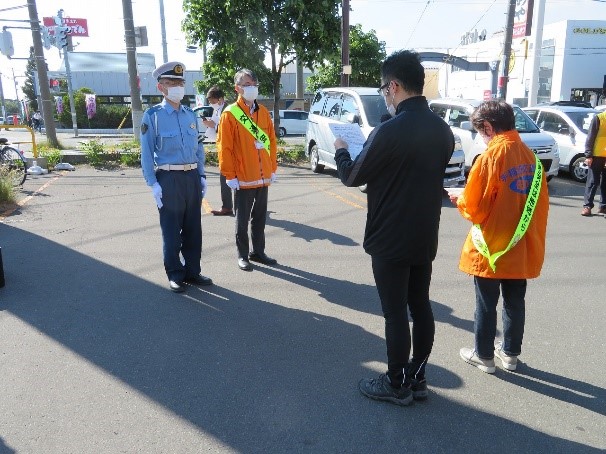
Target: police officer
[{"x": 173, "y": 166}]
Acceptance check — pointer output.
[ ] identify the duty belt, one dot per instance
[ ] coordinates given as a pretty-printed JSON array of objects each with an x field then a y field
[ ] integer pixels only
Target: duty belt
[{"x": 178, "y": 166}]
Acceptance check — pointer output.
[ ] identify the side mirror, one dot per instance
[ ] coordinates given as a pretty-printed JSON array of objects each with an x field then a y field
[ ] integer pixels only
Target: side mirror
[
  {"x": 467, "y": 126},
  {"x": 352, "y": 118}
]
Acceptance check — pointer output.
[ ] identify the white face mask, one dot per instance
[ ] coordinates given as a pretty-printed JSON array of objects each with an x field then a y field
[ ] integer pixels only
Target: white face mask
[
  {"x": 250, "y": 93},
  {"x": 175, "y": 94},
  {"x": 216, "y": 105},
  {"x": 391, "y": 109}
]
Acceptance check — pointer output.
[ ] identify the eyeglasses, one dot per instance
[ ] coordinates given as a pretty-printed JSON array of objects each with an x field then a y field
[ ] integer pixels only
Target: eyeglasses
[
  {"x": 383, "y": 87},
  {"x": 251, "y": 85}
]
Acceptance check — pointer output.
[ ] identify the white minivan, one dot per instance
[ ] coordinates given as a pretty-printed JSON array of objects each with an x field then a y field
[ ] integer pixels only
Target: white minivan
[
  {"x": 456, "y": 113},
  {"x": 365, "y": 107},
  {"x": 292, "y": 122}
]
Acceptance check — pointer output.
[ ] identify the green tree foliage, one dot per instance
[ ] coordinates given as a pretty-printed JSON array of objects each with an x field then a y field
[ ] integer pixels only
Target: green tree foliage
[
  {"x": 107, "y": 116},
  {"x": 366, "y": 53},
  {"x": 242, "y": 33},
  {"x": 29, "y": 85}
]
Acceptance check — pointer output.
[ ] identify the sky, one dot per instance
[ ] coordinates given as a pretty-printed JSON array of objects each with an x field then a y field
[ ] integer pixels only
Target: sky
[{"x": 413, "y": 24}]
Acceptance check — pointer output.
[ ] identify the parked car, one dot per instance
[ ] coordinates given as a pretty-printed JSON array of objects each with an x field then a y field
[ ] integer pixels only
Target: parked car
[
  {"x": 203, "y": 112},
  {"x": 456, "y": 113},
  {"x": 568, "y": 125},
  {"x": 363, "y": 106},
  {"x": 292, "y": 122}
]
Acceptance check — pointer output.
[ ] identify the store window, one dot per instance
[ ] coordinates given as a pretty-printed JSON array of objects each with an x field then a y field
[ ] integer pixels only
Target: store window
[{"x": 546, "y": 71}]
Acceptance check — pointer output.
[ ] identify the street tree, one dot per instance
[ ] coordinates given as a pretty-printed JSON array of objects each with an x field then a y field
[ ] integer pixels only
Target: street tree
[
  {"x": 280, "y": 29},
  {"x": 366, "y": 53},
  {"x": 29, "y": 85}
]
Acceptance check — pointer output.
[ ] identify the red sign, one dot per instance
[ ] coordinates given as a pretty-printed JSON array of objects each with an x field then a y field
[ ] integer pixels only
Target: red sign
[{"x": 77, "y": 27}]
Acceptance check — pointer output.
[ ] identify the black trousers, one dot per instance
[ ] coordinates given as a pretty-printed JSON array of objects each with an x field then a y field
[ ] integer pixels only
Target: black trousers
[
  {"x": 404, "y": 287},
  {"x": 251, "y": 206},
  {"x": 596, "y": 177},
  {"x": 226, "y": 194},
  {"x": 180, "y": 221}
]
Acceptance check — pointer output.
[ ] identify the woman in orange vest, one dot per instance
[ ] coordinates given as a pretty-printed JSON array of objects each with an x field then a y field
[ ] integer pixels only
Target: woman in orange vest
[{"x": 506, "y": 195}]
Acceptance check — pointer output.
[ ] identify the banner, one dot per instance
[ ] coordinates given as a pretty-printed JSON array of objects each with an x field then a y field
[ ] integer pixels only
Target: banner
[
  {"x": 522, "y": 21},
  {"x": 91, "y": 106},
  {"x": 59, "y": 103}
]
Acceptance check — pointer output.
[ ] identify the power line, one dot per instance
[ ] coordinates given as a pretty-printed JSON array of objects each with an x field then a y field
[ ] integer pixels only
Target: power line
[{"x": 417, "y": 24}]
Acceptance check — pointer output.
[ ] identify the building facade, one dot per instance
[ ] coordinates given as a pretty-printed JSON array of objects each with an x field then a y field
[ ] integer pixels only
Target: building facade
[{"x": 572, "y": 65}]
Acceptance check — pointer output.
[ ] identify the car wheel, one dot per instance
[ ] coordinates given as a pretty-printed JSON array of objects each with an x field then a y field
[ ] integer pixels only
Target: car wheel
[
  {"x": 282, "y": 132},
  {"x": 577, "y": 172},
  {"x": 314, "y": 160},
  {"x": 363, "y": 188}
]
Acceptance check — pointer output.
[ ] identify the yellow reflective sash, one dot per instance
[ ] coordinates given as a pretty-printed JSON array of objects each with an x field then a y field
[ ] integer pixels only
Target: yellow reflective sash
[
  {"x": 250, "y": 125},
  {"x": 531, "y": 203}
]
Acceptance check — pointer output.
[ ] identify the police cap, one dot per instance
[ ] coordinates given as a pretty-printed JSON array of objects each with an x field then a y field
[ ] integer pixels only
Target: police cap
[{"x": 170, "y": 70}]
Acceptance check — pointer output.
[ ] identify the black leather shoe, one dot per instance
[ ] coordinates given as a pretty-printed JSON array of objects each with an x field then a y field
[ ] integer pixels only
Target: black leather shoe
[
  {"x": 199, "y": 280},
  {"x": 244, "y": 265},
  {"x": 176, "y": 287},
  {"x": 262, "y": 258}
]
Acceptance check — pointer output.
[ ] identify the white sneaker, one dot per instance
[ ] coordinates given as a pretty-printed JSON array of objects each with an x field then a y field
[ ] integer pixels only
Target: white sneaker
[
  {"x": 509, "y": 362},
  {"x": 470, "y": 356}
]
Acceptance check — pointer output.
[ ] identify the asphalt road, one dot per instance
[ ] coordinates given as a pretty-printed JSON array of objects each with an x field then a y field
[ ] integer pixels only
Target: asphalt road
[{"x": 97, "y": 356}]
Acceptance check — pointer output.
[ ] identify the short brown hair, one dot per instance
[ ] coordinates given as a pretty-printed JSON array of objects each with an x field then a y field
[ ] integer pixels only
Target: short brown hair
[
  {"x": 496, "y": 112},
  {"x": 215, "y": 92}
]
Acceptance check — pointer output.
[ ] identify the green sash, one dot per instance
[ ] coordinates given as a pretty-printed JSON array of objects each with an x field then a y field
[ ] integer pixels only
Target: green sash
[
  {"x": 531, "y": 202},
  {"x": 250, "y": 125}
]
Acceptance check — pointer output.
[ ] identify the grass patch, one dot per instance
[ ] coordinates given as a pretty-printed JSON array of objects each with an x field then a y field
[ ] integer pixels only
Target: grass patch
[
  {"x": 7, "y": 190},
  {"x": 293, "y": 154},
  {"x": 52, "y": 155}
]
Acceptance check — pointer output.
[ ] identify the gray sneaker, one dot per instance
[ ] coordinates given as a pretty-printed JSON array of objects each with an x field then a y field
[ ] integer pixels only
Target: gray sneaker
[
  {"x": 381, "y": 389},
  {"x": 509, "y": 362},
  {"x": 470, "y": 356}
]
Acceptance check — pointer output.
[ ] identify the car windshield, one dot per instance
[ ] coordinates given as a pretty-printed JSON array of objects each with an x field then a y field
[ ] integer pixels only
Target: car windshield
[
  {"x": 374, "y": 106},
  {"x": 581, "y": 119},
  {"x": 523, "y": 122}
]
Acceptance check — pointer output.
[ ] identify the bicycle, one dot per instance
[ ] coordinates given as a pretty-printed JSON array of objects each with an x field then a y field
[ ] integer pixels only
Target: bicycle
[{"x": 12, "y": 163}]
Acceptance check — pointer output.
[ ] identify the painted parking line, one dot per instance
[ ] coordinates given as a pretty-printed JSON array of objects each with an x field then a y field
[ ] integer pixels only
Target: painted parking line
[
  {"x": 343, "y": 199},
  {"x": 25, "y": 200}
]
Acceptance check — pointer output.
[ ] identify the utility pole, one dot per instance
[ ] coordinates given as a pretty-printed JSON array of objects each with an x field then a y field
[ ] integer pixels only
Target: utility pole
[
  {"x": 68, "y": 73},
  {"x": 504, "y": 77},
  {"x": 44, "y": 90},
  {"x": 537, "y": 34},
  {"x": 163, "y": 30},
  {"x": 131, "y": 56},
  {"x": 345, "y": 68},
  {"x": 3, "y": 113}
]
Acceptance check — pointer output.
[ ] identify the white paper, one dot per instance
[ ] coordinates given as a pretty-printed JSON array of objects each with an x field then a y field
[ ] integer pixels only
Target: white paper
[
  {"x": 454, "y": 191},
  {"x": 350, "y": 133}
]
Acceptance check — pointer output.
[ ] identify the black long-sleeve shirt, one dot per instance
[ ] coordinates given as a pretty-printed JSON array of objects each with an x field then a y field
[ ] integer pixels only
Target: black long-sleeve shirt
[{"x": 403, "y": 163}]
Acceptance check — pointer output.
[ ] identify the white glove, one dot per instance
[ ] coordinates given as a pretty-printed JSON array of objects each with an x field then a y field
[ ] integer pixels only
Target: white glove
[
  {"x": 157, "y": 191},
  {"x": 273, "y": 178},
  {"x": 234, "y": 184},
  {"x": 204, "y": 186}
]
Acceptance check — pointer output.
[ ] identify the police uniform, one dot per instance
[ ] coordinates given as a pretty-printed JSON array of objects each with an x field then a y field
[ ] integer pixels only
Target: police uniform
[{"x": 172, "y": 157}]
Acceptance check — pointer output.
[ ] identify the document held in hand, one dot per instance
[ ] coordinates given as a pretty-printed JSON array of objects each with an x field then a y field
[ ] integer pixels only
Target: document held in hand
[{"x": 350, "y": 133}]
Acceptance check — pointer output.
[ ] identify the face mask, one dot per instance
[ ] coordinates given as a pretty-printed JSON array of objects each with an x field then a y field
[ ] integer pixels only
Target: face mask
[
  {"x": 215, "y": 105},
  {"x": 250, "y": 93},
  {"x": 391, "y": 109},
  {"x": 175, "y": 94}
]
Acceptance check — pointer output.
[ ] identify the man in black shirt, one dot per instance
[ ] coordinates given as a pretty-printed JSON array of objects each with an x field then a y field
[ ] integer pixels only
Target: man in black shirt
[{"x": 403, "y": 163}]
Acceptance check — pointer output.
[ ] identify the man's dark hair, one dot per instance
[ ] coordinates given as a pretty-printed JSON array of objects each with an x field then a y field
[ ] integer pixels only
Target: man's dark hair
[
  {"x": 496, "y": 112},
  {"x": 406, "y": 69},
  {"x": 215, "y": 92}
]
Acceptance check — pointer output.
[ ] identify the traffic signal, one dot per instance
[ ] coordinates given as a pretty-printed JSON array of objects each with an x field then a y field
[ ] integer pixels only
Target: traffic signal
[
  {"x": 6, "y": 43},
  {"x": 46, "y": 39},
  {"x": 61, "y": 36}
]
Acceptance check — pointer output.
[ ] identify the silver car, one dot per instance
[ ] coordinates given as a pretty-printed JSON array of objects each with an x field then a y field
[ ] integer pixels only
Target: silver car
[{"x": 363, "y": 106}]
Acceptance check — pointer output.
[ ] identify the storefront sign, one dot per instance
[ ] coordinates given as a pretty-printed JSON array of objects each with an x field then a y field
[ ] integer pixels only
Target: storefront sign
[
  {"x": 77, "y": 27},
  {"x": 589, "y": 31}
]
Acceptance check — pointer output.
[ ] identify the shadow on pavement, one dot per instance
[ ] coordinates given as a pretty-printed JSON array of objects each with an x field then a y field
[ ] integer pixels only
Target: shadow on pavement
[{"x": 258, "y": 376}]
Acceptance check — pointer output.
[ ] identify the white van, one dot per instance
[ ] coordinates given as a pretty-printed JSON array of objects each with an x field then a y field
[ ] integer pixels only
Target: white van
[
  {"x": 364, "y": 106},
  {"x": 292, "y": 122},
  {"x": 456, "y": 113}
]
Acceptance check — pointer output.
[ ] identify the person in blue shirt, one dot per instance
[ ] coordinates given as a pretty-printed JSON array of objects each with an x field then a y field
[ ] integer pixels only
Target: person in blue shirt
[{"x": 172, "y": 161}]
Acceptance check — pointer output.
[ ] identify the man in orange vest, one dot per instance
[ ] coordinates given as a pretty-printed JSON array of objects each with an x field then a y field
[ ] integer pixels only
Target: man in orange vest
[
  {"x": 595, "y": 151},
  {"x": 506, "y": 199}
]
